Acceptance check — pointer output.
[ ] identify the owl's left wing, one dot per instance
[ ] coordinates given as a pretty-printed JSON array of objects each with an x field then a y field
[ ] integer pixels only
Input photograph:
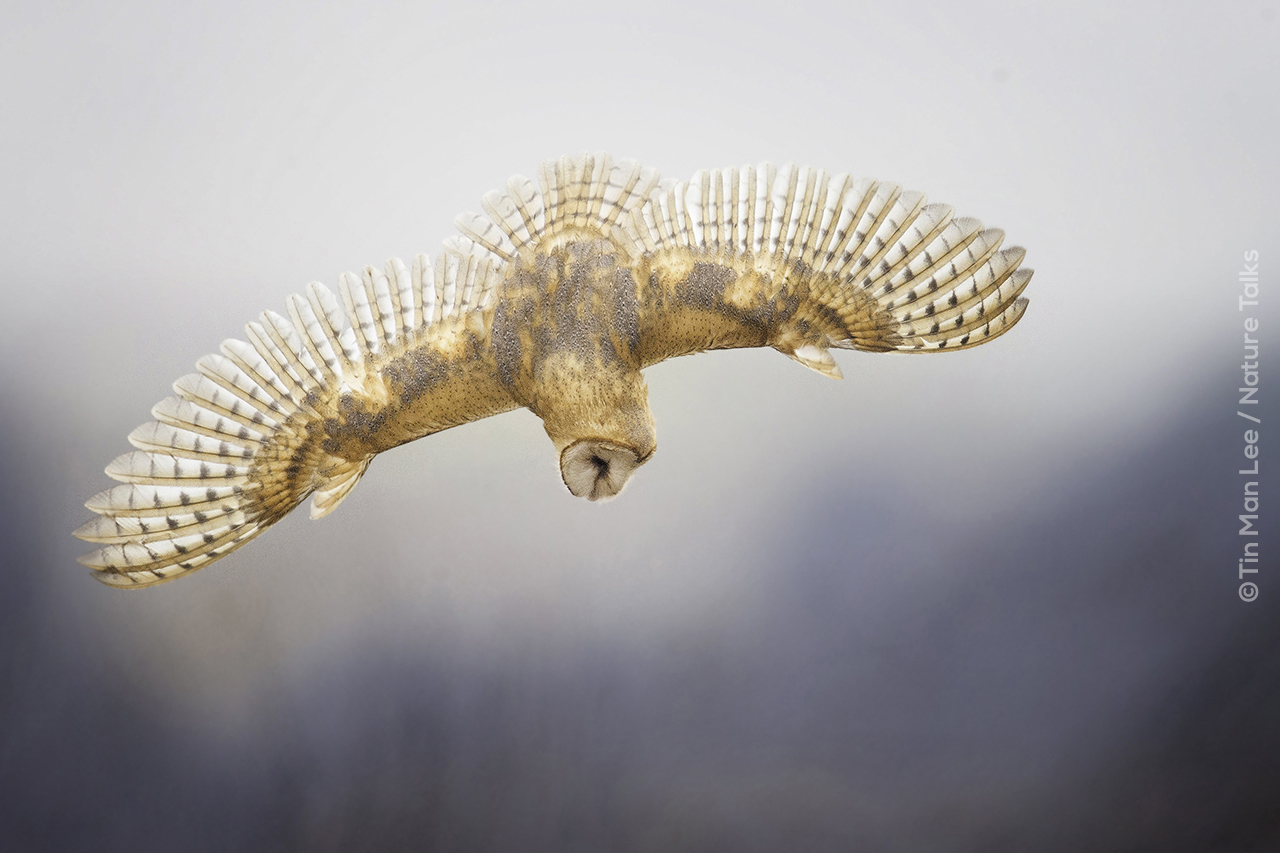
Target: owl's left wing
[
  {"x": 801, "y": 261},
  {"x": 298, "y": 409}
]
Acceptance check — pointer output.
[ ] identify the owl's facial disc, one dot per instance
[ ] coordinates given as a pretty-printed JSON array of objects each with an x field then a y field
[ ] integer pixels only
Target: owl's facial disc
[{"x": 597, "y": 470}]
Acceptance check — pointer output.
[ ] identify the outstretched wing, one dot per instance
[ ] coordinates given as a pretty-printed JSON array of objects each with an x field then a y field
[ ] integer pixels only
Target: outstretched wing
[
  {"x": 299, "y": 409},
  {"x": 801, "y": 261},
  {"x": 754, "y": 257}
]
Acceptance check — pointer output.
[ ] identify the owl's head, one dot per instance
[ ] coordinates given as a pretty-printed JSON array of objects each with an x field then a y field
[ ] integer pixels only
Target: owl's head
[
  {"x": 596, "y": 469},
  {"x": 600, "y": 425}
]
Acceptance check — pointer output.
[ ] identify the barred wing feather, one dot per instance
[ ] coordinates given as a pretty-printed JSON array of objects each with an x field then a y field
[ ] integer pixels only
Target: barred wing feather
[
  {"x": 823, "y": 261},
  {"x": 298, "y": 409},
  {"x": 590, "y": 272}
]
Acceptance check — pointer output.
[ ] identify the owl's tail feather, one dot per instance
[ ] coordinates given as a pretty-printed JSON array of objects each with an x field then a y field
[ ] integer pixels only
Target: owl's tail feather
[{"x": 587, "y": 195}]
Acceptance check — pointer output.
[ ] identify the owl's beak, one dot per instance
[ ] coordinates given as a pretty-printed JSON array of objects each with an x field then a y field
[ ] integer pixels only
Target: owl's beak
[{"x": 596, "y": 469}]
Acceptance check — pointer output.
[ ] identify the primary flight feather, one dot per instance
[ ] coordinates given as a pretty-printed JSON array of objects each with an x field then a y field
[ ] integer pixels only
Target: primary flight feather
[{"x": 555, "y": 301}]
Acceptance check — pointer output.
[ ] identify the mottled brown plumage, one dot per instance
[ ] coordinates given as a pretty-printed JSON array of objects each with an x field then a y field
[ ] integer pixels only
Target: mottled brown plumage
[{"x": 555, "y": 302}]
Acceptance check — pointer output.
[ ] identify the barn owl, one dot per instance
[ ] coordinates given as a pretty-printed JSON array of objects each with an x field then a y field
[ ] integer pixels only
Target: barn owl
[{"x": 556, "y": 300}]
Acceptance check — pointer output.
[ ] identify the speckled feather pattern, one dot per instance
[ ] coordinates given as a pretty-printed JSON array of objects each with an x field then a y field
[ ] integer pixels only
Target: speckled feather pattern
[{"x": 554, "y": 299}]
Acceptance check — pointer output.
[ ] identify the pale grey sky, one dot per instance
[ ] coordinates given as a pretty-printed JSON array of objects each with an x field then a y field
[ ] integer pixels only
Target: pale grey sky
[{"x": 171, "y": 170}]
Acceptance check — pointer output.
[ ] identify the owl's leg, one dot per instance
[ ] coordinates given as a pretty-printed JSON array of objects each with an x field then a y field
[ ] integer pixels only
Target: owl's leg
[
  {"x": 809, "y": 347},
  {"x": 816, "y": 357}
]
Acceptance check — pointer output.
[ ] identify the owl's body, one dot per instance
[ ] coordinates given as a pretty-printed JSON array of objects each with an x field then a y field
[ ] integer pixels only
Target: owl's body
[{"x": 556, "y": 302}]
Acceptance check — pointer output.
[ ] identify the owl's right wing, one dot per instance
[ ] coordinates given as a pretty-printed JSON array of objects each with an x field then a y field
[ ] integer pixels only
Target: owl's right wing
[
  {"x": 801, "y": 261},
  {"x": 298, "y": 409}
]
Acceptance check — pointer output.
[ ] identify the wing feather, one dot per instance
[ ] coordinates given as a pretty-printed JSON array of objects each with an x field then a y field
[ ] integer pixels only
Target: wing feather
[
  {"x": 803, "y": 260},
  {"x": 798, "y": 259},
  {"x": 298, "y": 409},
  {"x": 790, "y": 257}
]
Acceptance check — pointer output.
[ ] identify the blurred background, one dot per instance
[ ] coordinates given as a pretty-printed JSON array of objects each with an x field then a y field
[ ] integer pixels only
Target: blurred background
[{"x": 981, "y": 601}]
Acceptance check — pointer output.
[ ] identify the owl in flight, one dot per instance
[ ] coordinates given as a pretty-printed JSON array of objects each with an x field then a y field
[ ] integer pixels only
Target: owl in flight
[{"x": 555, "y": 301}]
